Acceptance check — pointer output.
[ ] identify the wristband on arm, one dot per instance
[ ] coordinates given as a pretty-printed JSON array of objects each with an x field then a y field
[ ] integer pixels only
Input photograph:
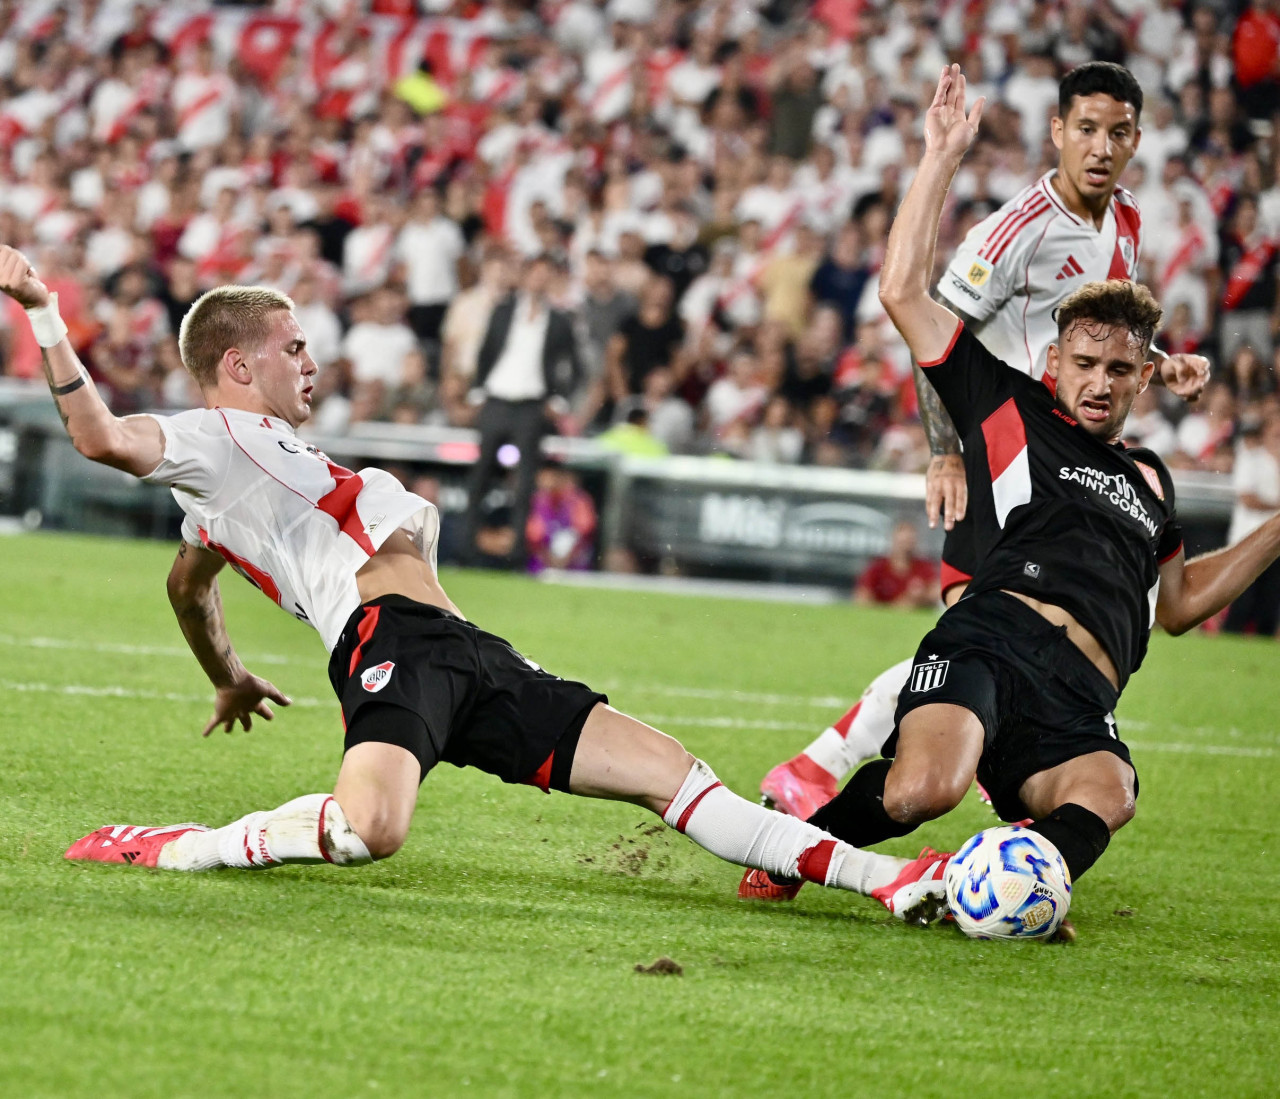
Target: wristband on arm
[{"x": 47, "y": 324}]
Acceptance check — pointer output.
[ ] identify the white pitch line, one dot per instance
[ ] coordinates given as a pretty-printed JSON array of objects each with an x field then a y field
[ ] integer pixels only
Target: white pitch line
[
  {"x": 129, "y": 650},
  {"x": 132, "y": 693},
  {"x": 659, "y": 720}
]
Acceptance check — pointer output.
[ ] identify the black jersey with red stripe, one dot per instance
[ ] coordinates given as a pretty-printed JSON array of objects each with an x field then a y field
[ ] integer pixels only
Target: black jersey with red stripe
[{"x": 1070, "y": 520}]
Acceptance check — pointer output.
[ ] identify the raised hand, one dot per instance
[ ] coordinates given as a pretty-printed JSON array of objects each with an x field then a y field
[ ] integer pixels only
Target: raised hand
[
  {"x": 19, "y": 280},
  {"x": 947, "y": 128}
]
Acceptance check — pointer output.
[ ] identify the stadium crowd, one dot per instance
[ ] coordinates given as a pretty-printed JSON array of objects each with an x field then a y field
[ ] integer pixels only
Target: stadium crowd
[{"x": 713, "y": 183}]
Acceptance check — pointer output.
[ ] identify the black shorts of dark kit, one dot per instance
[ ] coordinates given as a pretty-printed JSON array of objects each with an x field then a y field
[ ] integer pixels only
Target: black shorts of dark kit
[
  {"x": 1040, "y": 700},
  {"x": 455, "y": 693}
]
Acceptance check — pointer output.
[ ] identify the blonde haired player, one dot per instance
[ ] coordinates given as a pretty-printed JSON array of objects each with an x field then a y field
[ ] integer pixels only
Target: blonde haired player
[{"x": 353, "y": 556}]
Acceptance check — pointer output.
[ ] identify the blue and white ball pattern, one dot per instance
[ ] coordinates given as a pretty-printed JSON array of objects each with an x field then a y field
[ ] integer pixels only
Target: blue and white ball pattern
[{"x": 1008, "y": 883}]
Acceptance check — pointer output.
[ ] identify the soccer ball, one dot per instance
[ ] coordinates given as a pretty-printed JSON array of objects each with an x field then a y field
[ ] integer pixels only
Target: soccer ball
[{"x": 1008, "y": 883}]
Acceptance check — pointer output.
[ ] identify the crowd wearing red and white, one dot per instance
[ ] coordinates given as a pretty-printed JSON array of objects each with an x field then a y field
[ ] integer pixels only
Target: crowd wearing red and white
[{"x": 714, "y": 181}]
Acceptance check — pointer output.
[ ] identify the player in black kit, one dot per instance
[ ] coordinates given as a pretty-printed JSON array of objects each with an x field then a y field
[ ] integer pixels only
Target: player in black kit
[{"x": 1017, "y": 682}]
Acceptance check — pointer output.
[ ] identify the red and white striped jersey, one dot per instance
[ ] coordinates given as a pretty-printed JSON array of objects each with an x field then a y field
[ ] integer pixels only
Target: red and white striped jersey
[
  {"x": 290, "y": 521},
  {"x": 1016, "y": 265}
]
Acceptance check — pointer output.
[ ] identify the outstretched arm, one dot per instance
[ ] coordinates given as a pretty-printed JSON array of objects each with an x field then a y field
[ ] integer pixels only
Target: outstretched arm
[
  {"x": 134, "y": 443},
  {"x": 926, "y": 325},
  {"x": 1191, "y": 591},
  {"x": 194, "y": 595}
]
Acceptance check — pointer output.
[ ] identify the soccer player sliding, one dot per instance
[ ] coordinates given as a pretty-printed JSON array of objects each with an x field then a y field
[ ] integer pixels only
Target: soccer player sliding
[
  {"x": 1074, "y": 225},
  {"x": 1018, "y": 682},
  {"x": 353, "y": 556}
]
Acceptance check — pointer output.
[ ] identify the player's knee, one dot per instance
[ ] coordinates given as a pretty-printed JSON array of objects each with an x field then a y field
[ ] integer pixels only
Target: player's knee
[
  {"x": 380, "y": 829},
  {"x": 912, "y": 798}
]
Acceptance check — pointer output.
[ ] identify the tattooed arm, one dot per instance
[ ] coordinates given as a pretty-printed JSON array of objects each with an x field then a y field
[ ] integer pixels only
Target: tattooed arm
[
  {"x": 196, "y": 600},
  {"x": 134, "y": 443},
  {"x": 946, "y": 493}
]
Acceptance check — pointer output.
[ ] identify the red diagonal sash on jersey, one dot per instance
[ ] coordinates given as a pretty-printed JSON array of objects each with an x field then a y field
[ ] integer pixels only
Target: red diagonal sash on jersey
[
  {"x": 256, "y": 576},
  {"x": 741, "y": 285},
  {"x": 1247, "y": 270},
  {"x": 608, "y": 86},
  {"x": 192, "y": 109},
  {"x": 375, "y": 261},
  {"x": 779, "y": 231},
  {"x": 1191, "y": 243},
  {"x": 341, "y": 504},
  {"x": 503, "y": 86}
]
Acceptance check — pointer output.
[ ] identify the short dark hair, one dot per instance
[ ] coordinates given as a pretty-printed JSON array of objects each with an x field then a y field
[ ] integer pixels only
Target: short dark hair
[
  {"x": 1100, "y": 78},
  {"x": 1112, "y": 303}
]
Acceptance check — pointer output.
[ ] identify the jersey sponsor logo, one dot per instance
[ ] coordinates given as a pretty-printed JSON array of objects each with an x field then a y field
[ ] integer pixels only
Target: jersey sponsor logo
[
  {"x": 1115, "y": 488},
  {"x": 1070, "y": 269},
  {"x": 1032, "y": 570},
  {"x": 375, "y": 678},
  {"x": 979, "y": 272},
  {"x": 965, "y": 289},
  {"x": 1152, "y": 478},
  {"x": 927, "y": 677}
]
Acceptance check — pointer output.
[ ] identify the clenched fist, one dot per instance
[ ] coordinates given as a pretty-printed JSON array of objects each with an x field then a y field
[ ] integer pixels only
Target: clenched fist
[{"x": 19, "y": 280}]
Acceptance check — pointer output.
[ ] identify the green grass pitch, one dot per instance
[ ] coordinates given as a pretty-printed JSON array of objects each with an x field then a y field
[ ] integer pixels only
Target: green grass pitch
[{"x": 495, "y": 954}]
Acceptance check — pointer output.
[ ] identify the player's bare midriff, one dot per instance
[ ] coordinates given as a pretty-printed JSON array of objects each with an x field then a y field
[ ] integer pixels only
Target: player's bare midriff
[
  {"x": 398, "y": 568},
  {"x": 1076, "y": 633}
]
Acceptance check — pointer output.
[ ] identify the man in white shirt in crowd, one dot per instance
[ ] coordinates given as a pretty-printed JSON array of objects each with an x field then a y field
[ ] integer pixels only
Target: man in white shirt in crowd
[
  {"x": 379, "y": 343},
  {"x": 429, "y": 248}
]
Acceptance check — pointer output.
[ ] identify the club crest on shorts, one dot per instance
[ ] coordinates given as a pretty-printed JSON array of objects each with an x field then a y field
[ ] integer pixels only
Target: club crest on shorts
[
  {"x": 375, "y": 678},
  {"x": 925, "y": 677}
]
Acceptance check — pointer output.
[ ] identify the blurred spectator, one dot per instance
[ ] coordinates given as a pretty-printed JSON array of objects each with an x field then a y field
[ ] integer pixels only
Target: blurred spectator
[
  {"x": 527, "y": 365},
  {"x": 467, "y": 317},
  {"x": 1251, "y": 289},
  {"x": 900, "y": 578},
  {"x": 379, "y": 343},
  {"x": 840, "y": 278},
  {"x": 632, "y": 436},
  {"x": 776, "y": 439},
  {"x": 319, "y": 323},
  {"x": 562, "y": 522},
  {"x": 601, "y": 314},
  {"x": 649, "y": 340},
  {"x": 1256, "y": 479},
  {"x": 429, "y": 247}
]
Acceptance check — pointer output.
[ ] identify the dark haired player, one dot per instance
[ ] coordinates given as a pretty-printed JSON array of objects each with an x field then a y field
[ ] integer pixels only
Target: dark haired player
[
  {"x": 1073, "y": 225},
  {"x": 353, "y": 555},
  {"x": 1018, "y": 681}
]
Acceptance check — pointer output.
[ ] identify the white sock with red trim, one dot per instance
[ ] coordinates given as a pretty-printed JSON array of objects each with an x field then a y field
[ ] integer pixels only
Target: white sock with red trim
[
  {"x": 309, "y": 829},
  {"x": 862, "y": 731},
  {"x": 750, "y": 835}
]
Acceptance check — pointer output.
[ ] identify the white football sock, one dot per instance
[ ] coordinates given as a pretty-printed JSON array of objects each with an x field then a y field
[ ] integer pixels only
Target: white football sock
[
  {"x": 309, "y": 829},
  {"x": 750, "y": 835},
  {"x": 861, "y": 732}
]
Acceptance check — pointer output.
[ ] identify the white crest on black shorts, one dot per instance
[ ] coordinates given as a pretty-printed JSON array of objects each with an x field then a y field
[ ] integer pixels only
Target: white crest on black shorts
[
  {"x": 925, "y": 677},
  {"x": 377, "y": 677}
]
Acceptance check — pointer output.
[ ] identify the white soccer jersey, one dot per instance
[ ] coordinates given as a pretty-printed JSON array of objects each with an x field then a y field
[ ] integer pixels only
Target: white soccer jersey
[
  {"x": 290, "y": 521},
  {"x": 1015, "y": 266}
]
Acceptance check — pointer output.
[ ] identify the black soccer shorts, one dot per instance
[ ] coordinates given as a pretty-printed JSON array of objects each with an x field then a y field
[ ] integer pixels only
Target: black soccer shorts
[
  {"x": 1040, "y": 700},
  {"x": 480, "y": 703}
]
